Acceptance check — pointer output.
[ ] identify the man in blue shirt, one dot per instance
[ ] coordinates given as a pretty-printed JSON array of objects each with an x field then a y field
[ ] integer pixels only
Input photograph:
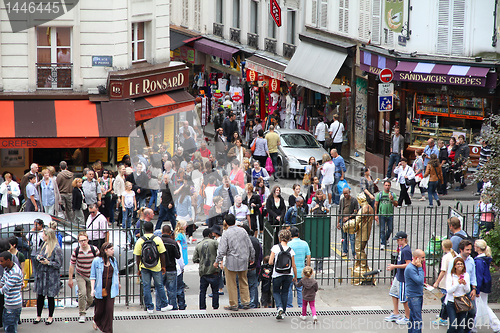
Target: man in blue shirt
[
  {"x": 430, "y": 149},
  {"x": 465, "y": 248},
  {"x": 340, "y": 170},
  {"x": 302, "y": 258},
  {"x": 397, "y": 291},
  {"x": 414, "y": 277},
  {"x": 295, "y": 214}
]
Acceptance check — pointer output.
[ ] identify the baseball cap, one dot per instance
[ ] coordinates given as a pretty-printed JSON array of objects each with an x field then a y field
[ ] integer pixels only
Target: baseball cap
[
  {"x": 216, "y": 230},
  {"x": 400, "y": 235}
]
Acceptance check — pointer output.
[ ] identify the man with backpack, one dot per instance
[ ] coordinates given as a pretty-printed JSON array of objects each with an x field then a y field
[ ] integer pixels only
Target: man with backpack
[
  {"x": 149, "y": 252},
  {"x": 385, "y": 201},
  {"x": 457, "y": 234},
  {"x": 81, "y": 259},
  {"x": 236, "y": 246}
]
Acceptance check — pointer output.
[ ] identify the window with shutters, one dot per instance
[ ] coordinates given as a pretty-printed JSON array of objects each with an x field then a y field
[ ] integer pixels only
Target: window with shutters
[
  {"x": 376, "y": 23},
  {"x": 236, "y": 14},
  {"x": 344, "y": 16},
  {"x": 197, "y": 15},
  {"x": 323, "y": 16},
  {"x": 138, "y": 42},
  {"x": 290, "y": 32},
  {"x": 271, "y": 27},
  {"x": 314, "y": 12},
  {"x": 451, "y": 27},
  {"x": 185, "y": 13},
  {"x": 364, "y": 19}
]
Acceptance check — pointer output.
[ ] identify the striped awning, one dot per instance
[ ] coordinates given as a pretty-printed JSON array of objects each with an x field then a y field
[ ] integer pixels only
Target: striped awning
[
  {"x": 441, "y": 73},
  {"x": 158, "y": 105},
  {"x": 374, "y": 63},
  {"x": 63, "y": 123}
]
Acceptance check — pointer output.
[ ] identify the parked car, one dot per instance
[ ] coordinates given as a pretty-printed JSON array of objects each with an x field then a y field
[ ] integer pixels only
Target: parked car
[
  {"x": 297, "y": 146},
  {"x": 69, "y": 232}
]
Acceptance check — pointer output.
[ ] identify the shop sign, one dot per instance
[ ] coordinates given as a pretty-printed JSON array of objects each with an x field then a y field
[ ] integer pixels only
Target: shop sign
[
  {"x": 265, "y": 71},
  {"x": 274, "y": 85},
  {"x": 139, "y": 86},
  {"x": 218, "y": 94},
  {"x": 276, "y": 12},
  {"x": 441, "y": 79},
  {"x": 263, "y": 82},
  {"x": 185, "y": 53},
  {"x": 394, "y": 14},
  {"x": 237, "y": 98},
  {"x": 104, "y": 61},
  {"x": 251, "y": 75}
]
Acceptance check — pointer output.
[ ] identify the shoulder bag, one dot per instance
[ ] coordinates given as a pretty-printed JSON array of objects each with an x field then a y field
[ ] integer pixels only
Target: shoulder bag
[
  {"x": 328, "y": 138},
  {"x": 462, "y": 303}
]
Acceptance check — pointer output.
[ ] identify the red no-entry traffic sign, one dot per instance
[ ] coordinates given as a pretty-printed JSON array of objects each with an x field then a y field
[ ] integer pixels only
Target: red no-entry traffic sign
[
  {"x": 276, "y": 12},
  {"x": 386, "y": 75}
]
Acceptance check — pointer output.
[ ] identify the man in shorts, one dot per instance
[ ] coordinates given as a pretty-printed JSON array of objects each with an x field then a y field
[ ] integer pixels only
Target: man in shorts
[{"x": 397, "y": 291}]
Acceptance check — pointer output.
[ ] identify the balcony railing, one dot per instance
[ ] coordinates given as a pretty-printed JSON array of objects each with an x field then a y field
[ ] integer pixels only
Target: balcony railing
[
  {"x": 270, "y": 45},
  {"x": 235, "y": 34},
  {"x": 288, "y": 50},
  {"x": 54, "y": 76},
  {"x": 219, "y": 29},
  {"x": 253, "y": 40}
]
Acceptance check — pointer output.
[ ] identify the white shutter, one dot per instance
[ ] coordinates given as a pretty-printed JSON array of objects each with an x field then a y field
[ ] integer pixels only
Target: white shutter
[
  {"x": 443, "y": 28},
  {"x": 389, "y": 38},
  {"x": 376, "y": 23},
  {"x": 314, "y": 12},
  {"x": 344, "y": 16},
  {"x": 185, "y": 13},
  {"x": 324, "y": 14},
  {"x": 364, "y": 19},
  {"x": 197, "y": 15},
  {"x": 458, "y": 28}
]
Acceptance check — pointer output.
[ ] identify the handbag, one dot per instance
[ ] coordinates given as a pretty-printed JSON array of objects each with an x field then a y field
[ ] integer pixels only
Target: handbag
[
  {"x": 409, "y": 182},
  {"x": 424, "y": 183},
  {"x": 462, "y": 303},
  {"x": 306, "y": 181},
  {"x": 329, "y": 139},
  {"x": 418, "y": 177},
  {"x": 253, "y": 146},
  {"x": 104, "y": 291},
  {"x": 269, "y": 165}
]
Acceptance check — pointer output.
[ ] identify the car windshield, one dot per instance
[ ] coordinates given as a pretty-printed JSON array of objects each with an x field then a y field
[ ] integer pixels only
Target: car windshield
[{"x": 299, "y": 141}]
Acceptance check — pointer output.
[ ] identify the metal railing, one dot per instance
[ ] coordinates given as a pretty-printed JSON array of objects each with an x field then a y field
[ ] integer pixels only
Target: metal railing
[{"x": 54, "y": 75}]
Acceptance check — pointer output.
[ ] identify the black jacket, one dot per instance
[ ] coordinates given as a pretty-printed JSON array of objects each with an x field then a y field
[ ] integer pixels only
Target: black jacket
[
  {"x": 229, "y": 127},
  {"x": 275, "y": 212},
  {"x": 443, "y": 155},
  {"x": 172, "y": 252},
  {"x": 77, "y": 199},
  {"x": 255, "y": 199},
  {"x": 166, "y": 195}
]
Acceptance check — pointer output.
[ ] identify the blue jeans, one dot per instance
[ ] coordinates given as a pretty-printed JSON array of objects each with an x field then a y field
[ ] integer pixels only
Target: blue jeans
[
  {"x": 386, "y": 226},
  {"x": 393, "y": 160},
  {"x": 290, "y": 295},
  {"x": 281, "y": 285},
  {"x": 213, "y": 281},
  {"x": 170, "y": 282},
  {"x": 351, "y": 238},
  {"x": 181, "y": 300},
  {"x": 253, "y": 287},
  {"x": 10, "y": 319},
  {"x": 127, "y": 217},
  {"x": 431, "y": 191},
  {"x": 153, "y": 199},
  {"x": 336, "y": 194},
  {"x": 141, "y": 202},
  {"x": 456, "y": 321},
  {"x": 161, "y": 298},
  {"x": 166, "y": 214},
  {"x": 415, "y": 305}
]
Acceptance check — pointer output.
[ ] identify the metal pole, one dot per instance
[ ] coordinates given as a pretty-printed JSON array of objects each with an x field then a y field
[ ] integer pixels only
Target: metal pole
[{"x": 384, "y": 149}]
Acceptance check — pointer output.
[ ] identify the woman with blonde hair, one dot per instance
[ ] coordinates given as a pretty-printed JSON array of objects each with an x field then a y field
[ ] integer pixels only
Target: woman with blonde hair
[
  {"x": 48, "y": 194},
  {"x": 448, "y": 256},
  {"x": 252, "y": 200},
  {"x": 78, "y": 201},
  {"x": 47, "y": 278},
  {"x": 180, "y": 238},
  {"x": 483, "y": 278}
]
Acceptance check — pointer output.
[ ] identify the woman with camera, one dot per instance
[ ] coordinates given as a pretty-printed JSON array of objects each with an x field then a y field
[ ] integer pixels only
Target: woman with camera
[{"x": 47, "y": 278}]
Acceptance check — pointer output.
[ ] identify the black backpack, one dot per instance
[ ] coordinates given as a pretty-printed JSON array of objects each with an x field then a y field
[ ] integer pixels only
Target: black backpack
[
  {"x": 150, "y": 254},
  {"x": 92, "y": 248},
  {"x": 473, "y": 253},
  {"x": 283, "y": 261}
]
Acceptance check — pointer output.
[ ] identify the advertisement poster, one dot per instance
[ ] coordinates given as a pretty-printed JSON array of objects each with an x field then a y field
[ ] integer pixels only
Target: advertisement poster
[
  {"x": 169, "y": 133},
  {"x": 12, "y": 158},
  {"x": 394, "y": 14},
  {"x": 122, "y": 147}
]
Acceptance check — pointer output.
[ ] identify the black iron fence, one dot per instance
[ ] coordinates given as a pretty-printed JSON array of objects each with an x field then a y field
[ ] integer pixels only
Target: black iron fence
[{"x": 426, "y": 228}]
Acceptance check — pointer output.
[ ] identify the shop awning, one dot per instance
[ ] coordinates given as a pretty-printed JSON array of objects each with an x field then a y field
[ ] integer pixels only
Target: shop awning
[
  {"x": 215, "y": 49},
  {"x": 374, "y": 63},
  {"x": 266, "y": 66},
  {"x": 178, "y": 39},
  {"x": 441, "y": 73},
  {"x": 63, "y": 123},
  {"x": 315, "y": 67},
  {"x": 157, "y": 105}
]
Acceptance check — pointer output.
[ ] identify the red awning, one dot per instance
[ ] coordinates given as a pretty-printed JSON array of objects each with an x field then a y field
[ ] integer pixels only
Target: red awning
[
  {"x": 158, "y": 105},
  {"x": 63, "y": 123}
]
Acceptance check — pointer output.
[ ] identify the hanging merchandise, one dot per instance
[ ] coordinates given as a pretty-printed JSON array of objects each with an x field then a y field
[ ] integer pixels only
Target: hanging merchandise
[
  {"x": 222, "y": 84},
  {"x": 204, "y": 111}
]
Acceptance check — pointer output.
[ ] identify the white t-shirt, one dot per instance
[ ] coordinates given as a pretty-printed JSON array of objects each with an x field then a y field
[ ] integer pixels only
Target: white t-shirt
[
  {"x": 328, "y": 173},
  {"x": 240, "y": 213},
  {"x": 445, "y": 262},
  {"x": 333, "y": 128},
  {"x": 128, "y": 199},
  {"x": 321, "y": 129},
  {"x": 209, "y": 195},
  {"x": 276, "y": 249}
]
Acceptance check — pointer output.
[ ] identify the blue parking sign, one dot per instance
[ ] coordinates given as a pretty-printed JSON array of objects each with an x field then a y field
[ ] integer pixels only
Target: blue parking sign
[{"x": 385, "y": 103}]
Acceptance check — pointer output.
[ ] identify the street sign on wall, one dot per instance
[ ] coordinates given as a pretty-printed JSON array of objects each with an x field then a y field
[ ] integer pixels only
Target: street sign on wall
[
  {"x": 276, "y": 12},
  {"x": 385, "y": 103}
]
